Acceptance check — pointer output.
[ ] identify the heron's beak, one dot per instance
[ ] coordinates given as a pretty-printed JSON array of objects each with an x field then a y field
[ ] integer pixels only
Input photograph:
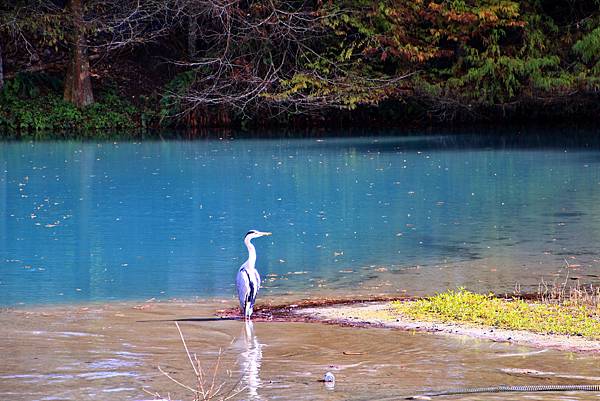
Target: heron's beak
[{"x": 267, "y": 233}]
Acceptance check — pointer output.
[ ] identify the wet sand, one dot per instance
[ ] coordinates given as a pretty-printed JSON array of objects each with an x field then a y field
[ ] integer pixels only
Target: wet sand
[{"x": 112, "y": 351}]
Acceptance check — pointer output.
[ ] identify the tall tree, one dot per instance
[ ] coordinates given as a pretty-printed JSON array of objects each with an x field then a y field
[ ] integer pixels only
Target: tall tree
[
  {"x": 192, "y": 36},
  {"x": 274, "y": 56},
  {"x": 1, "y": 69},
  {"x": 78, "y": 84}
]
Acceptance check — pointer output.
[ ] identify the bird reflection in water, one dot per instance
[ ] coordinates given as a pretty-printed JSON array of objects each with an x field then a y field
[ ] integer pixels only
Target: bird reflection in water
[{"x": 250, "y": 359}]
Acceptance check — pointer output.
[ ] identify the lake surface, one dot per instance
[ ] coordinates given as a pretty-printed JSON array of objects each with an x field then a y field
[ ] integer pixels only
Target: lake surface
[{"x": 83, "y": 221}]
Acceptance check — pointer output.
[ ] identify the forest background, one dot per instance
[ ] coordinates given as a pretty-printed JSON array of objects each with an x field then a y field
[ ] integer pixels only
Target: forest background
[{"x": 80, "y": 67}]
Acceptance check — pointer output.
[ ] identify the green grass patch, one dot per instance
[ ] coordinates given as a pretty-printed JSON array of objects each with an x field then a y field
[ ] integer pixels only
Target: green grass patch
[{"x": 463, "y": 306}]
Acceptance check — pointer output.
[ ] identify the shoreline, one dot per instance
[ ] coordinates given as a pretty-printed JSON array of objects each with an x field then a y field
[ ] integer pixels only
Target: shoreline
[
  {"x": 372, "y": 315},
  {"x": 333, "y": 130},
  {"x": 372, "y": 312}
]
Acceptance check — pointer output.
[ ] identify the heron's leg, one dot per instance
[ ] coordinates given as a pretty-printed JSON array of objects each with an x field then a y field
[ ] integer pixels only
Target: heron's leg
[{"x": 247, "y": 309}]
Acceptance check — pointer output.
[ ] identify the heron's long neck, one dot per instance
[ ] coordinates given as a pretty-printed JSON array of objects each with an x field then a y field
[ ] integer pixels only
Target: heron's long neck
[{"x": 251, "y": 253}]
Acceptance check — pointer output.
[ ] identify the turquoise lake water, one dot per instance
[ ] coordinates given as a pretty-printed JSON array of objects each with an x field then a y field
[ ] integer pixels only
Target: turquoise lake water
[{"x": 83, "y": 221}]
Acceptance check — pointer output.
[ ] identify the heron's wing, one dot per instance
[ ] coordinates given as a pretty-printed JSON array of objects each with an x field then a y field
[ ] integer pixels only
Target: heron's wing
[
  {"x": 255, "y": 278},
  {"x": 242, "y": 284}
]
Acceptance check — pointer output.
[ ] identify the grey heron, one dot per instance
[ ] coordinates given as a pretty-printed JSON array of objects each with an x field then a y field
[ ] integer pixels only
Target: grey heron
[{"x": 248, "y": 279}]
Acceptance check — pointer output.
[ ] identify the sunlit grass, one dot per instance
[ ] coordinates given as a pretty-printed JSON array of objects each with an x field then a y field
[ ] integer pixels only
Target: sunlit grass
[{"x": 463, "y": 306}]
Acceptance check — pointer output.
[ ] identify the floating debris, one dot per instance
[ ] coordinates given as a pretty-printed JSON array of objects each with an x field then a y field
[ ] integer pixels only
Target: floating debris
[{"x": 328, "y": 377}]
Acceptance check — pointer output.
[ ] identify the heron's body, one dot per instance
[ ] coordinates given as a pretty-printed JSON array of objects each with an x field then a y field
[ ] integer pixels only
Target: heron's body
[
  {"x": 248, "y": 284},
  {"x": 248, "y": 278}
]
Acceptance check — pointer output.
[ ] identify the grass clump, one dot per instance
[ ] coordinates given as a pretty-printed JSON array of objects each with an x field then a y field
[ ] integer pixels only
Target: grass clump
[
  {"x": 463, "y": 306},
  {"x": 574, "y": 295}
]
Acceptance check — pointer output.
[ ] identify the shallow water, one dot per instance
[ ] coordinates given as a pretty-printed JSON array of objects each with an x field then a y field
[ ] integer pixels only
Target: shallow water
[
  {"x": 105, "y": 352},
  {"x": 84, "y": 222}
]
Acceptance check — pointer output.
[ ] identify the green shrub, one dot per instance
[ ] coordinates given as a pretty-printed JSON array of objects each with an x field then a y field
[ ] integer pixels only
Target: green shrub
[
  {"x": 170, "y": 103},
  {"x": 32, "y": 105}
]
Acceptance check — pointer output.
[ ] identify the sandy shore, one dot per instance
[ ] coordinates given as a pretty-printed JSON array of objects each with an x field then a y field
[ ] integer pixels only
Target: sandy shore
[{"x": 378, "y": 314}]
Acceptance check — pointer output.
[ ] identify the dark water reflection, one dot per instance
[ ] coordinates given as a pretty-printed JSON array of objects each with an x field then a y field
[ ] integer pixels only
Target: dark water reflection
[{"x": 86, "y": 221}]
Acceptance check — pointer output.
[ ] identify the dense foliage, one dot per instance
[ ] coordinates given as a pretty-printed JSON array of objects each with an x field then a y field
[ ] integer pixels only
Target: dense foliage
[
  {"x": 27, "y": 110},
  {"x": 211, "y": 62}
]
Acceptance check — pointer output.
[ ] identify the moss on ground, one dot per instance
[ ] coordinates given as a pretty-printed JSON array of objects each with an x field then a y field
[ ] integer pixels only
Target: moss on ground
[{"x": 463, "y": 306}]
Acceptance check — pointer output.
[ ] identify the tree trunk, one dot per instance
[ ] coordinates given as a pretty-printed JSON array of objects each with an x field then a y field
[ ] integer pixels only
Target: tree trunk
[
  {"x": 1, "y": 69},
  {"x": 78, "y": 84},
  {"x": 192, "y": 36}
]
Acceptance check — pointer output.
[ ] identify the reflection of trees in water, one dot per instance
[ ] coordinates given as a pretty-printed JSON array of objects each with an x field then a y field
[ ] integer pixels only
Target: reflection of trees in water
[{"x": 250, "y": 360}]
